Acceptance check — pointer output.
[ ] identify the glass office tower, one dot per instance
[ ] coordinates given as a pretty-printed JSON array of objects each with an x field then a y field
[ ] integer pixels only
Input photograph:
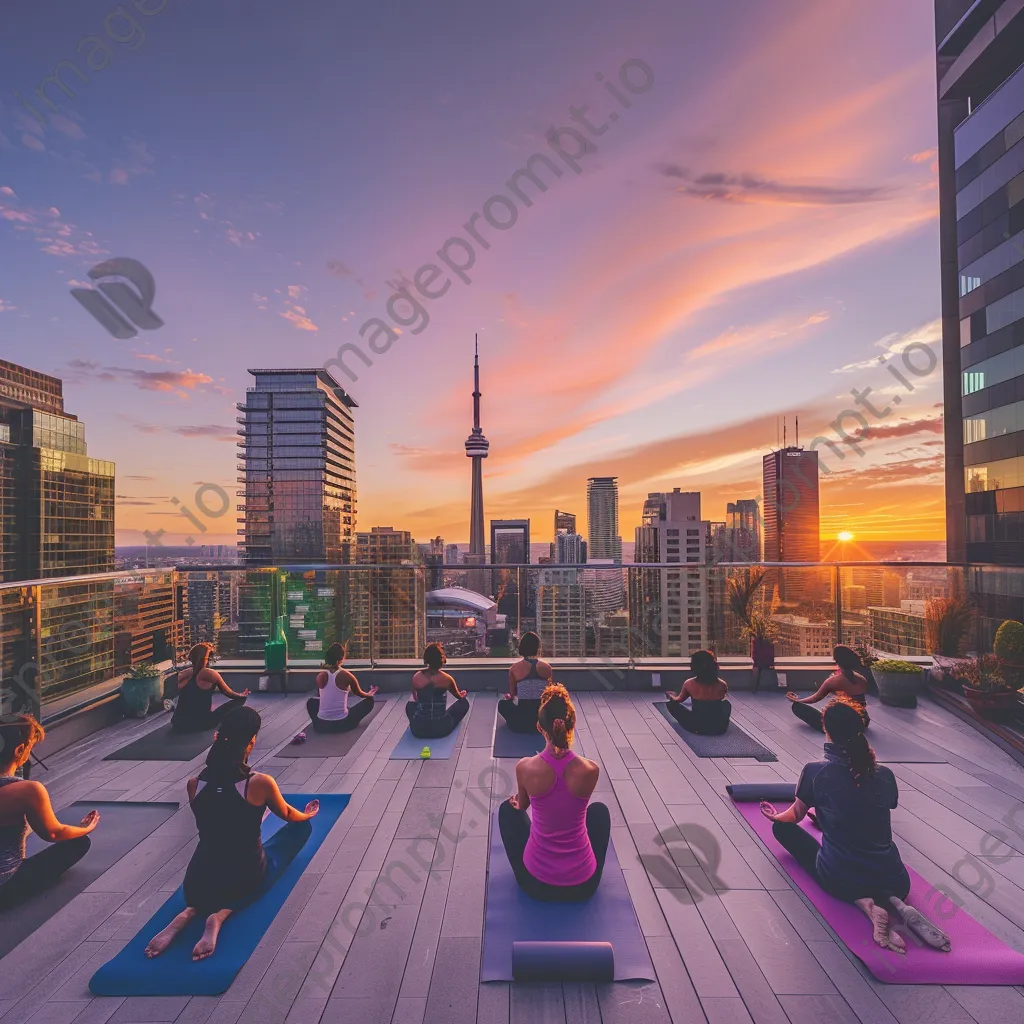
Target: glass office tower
[{"x": 979, "y": 52}]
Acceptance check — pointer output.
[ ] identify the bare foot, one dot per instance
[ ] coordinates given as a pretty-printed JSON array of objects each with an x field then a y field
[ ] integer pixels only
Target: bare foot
[
  {"x": 208, "y": 943},
  {"x": 160, "y": 942},
  {"x": 881, "y": 930},
  {"x": 927, "y": 932}
]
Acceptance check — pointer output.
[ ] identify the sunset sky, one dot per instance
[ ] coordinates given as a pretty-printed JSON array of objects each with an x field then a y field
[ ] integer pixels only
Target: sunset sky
[{"x": 742, "y": 244}]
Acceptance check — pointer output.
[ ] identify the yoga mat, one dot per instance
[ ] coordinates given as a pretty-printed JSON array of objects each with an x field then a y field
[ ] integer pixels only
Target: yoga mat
[
  {"x": 563, "y": 961},
  {"x": 173, "y": 973},
  {"x": 163, "y": 744},
  {"x": 773, "y": 792},
  {"x": 514, "y": 744},
  {"x": 480, "y": 729},
  {"x": 328, "y": 744},
  {"x": 734, "y": 742},
  {"x": 409, "y": 747},
  {"x": 977, "y": 957},
  {"x": 512, "y": 916},
  {"x": 892, "y": 748},
  {"x": 122, "y": 827}
]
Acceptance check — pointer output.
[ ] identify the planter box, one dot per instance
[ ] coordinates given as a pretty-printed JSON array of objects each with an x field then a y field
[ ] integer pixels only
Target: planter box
[
  {"x": 140, "y": 695},
  {"x": 899, "y": 689},
  {"x": 762, "y": 653},
  {"x": 989, "y": 701}
]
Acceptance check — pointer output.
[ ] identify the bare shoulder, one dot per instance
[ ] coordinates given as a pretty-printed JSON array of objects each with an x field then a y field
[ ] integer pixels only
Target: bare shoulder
[
  {"x": 586, "y": 766},
  {"x": 347, "y": 678},
  {"x": 543, "y": 669},
  {"x": 261, "y": 785},
  {"x": 25, "y": 793}
]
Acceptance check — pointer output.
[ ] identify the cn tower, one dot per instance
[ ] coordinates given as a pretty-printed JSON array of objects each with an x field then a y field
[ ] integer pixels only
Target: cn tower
[{"x": 476, "y": 449}]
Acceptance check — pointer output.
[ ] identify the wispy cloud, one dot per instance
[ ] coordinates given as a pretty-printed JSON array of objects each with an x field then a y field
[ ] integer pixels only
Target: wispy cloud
[
  {"x": 893, "y": 344},
  {"x": 178, "y": 382},
  {"x": 749, "y": 188}
]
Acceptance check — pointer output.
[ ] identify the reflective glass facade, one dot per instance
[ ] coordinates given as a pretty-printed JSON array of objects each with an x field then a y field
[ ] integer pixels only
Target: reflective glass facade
[
  {"x": 297, "y": 469},
  {"x": 989, "y": 182}
]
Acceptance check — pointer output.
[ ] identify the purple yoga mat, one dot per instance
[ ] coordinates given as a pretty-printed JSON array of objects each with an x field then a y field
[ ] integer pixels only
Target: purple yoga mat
[{"x": 977, "y": 957}]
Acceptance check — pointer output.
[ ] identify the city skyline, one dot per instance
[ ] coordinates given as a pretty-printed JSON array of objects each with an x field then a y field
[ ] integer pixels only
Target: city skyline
[{"x": 752, "y": 241}]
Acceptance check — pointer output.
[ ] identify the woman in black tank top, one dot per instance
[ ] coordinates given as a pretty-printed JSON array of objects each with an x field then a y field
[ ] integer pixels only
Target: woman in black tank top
[
  {"x": 231, "y": 865},
  {"x": 851, "y": 679},
  {"x": 194, "y": 711}
]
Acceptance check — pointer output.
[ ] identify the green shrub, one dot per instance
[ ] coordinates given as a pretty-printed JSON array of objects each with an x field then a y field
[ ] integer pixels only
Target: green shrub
[
  {"x": 1009, "y": 642},
  {"x": 144, "y": 670},
  {"x": 894, "y": 666}
]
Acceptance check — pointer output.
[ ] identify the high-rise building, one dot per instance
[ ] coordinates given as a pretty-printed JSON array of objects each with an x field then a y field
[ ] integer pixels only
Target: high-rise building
[
  {"x": 569, "y": 548},
  {"x": 979, "y": 44},
  {"x": 451, "y": 555},
  {"x": 603, "y": 540},
  {"x": 298, "y": 469},
  {"x": 668, "y": 607},
  {"x": 791, "y": 521},
  {"x": 389, "y": 608},
  {"x": 477, "y": 447},
  {"x": 899, "y": 630},
  {"x": 150, "y": 616},
  {"x": 432, "y": 555},
  {"x": 742, "y": 539},
  {"x": 565, "y": 522},
  {"x": 510, "y": 545},
  {"x": 561, "y": 613},
  {"x": 56, "y": 519}
]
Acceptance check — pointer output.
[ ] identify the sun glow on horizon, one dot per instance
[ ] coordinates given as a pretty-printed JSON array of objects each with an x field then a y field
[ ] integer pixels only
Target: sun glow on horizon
[{"x": 844, "y": 536}]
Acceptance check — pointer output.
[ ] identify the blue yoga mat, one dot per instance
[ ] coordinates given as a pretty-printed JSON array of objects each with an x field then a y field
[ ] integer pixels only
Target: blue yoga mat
[
  {"x": 409, "y": 748},
  {"x": 512, "y": 916},
  {"x": 173, "y": 973}
]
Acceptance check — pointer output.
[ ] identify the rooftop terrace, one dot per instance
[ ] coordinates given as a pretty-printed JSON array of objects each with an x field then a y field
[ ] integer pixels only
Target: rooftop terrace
[{"x": 731, "y": 939}]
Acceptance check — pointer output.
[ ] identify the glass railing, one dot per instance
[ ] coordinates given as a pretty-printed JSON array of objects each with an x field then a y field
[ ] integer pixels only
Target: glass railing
[{"x": 65, "y": 637}]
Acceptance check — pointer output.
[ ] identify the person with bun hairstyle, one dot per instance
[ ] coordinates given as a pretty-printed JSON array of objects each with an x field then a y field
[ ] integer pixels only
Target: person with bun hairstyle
[
  {"x": 557, "y": 855},
  {"x": 231, "y": 864},
  {"x": 857, "y": 861},
  {"x": 709, "y": 711},
  {"x": 24, "y": 806},
  {"x": 194, "y": 711},
  {"x": 330, "y": 712},
  {"x": 851, "y": 678},
  {"x": 430, "y": 718},
  {"x": 527, "y": 679}
]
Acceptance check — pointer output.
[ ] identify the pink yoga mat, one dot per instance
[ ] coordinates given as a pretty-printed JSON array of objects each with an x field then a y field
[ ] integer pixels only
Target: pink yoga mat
[{"x": 977, "y": 957}]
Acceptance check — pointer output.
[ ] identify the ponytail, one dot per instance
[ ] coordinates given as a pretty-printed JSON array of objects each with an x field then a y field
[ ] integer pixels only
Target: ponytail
[
  {"x": 845, "y": 722},
  {"x": 225, "y": 761},
  {"x": 557, "y": 716},
  {"x": 199, "y": 655}
]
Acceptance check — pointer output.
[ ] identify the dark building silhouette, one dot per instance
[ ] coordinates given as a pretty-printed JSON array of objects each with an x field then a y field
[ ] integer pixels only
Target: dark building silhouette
[{"x": 791, "y": 519}]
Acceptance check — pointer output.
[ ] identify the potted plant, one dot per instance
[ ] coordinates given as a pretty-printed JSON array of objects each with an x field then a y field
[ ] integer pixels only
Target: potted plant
[
  {"x": 142, "y": 688},
  {"x": 986, "y": 686},
  {"x": 899, "y": 682},
  {"x": 1009, "y": 649},
  {"x": 948, "y": 623},
  {"x": 763, "y": 633},
  {"x": 755, "y": 624}
]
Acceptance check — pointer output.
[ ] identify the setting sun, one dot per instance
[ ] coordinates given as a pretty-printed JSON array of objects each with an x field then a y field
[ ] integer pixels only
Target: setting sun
[{"x": 844, "y": 536}]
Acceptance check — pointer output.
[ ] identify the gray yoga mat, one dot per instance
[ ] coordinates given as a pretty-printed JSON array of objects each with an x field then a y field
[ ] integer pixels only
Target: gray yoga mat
[
  {"x": 480, "y": 727},
  {"x": 892, "y": 748},
  {"x": 164, "y": 744},
  {"x": 122, "y": 827},
  {"x": 734, "y": 742},
  {"x": 329, "y": 744},
  {"x": 514, "y": 744},
  {"x": 512, "y": 917}
]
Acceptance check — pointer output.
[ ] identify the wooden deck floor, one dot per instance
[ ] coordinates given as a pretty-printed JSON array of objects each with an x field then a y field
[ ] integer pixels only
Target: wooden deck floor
[{"x": 731, "y": 940}]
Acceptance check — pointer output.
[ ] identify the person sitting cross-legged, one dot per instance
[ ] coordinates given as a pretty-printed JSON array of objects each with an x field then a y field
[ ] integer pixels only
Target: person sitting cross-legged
[
  {"x": 850, "y": 678},
  {"x": 430, "y": 717},
  {"x": 856, "y": 860},
  {"x": 331, "y": 711},
  {"x": 527, "y": 680},
  {"x": 24, "y": 806},
  {"x": 558, "y": 855},
  {"x": 709, "y": 709}
]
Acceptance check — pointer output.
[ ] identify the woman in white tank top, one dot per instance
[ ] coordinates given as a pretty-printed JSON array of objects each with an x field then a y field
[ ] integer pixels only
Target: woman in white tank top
[{"x": 330, "y": 711}]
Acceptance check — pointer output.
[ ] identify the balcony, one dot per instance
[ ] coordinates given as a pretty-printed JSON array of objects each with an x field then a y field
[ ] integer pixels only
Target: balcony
[{"x": 713, "y": 906}]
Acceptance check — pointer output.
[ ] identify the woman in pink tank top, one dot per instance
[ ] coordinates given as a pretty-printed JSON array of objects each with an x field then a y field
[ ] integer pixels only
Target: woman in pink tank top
[{"x": 558, "y": 854}]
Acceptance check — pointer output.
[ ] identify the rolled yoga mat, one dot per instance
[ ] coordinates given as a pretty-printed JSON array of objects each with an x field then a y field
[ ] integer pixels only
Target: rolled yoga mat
[
  {"x": 328, "y": 744},
  {"x": 409, "y": 748},
  {"x": 977, "y": 957},
  {"x": 755, "y": 792},
  {"x": 734, "y": 742},
  {"x": 563, "y": 961},
  {"x": 174, "y": 973},
  {"x": 122, "y": 827},
  {"x": 513, "y": 918},
  {"x": 164, "y": 744}
]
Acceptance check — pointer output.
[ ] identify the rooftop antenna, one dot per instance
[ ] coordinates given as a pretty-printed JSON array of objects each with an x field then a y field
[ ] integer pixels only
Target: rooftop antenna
[
  {"x": 783, "y": 431},
  {"x": 776, "y": 431},
  {"x": 798, "y": 431}
]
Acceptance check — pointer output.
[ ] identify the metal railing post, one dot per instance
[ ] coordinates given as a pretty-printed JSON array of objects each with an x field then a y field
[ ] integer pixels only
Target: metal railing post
[{"x": 838, "y": 600}]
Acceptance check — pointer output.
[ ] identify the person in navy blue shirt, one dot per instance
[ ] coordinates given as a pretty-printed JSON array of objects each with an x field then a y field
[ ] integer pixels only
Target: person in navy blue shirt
[{"x": 857, "y": 861}]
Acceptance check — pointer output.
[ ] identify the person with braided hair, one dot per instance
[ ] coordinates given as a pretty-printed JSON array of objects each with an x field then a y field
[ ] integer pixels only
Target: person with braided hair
[
  {"x": 559, "y": 854},
  {"x": 857, "y": 861},
  {"x": 231, "y": 864}
]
